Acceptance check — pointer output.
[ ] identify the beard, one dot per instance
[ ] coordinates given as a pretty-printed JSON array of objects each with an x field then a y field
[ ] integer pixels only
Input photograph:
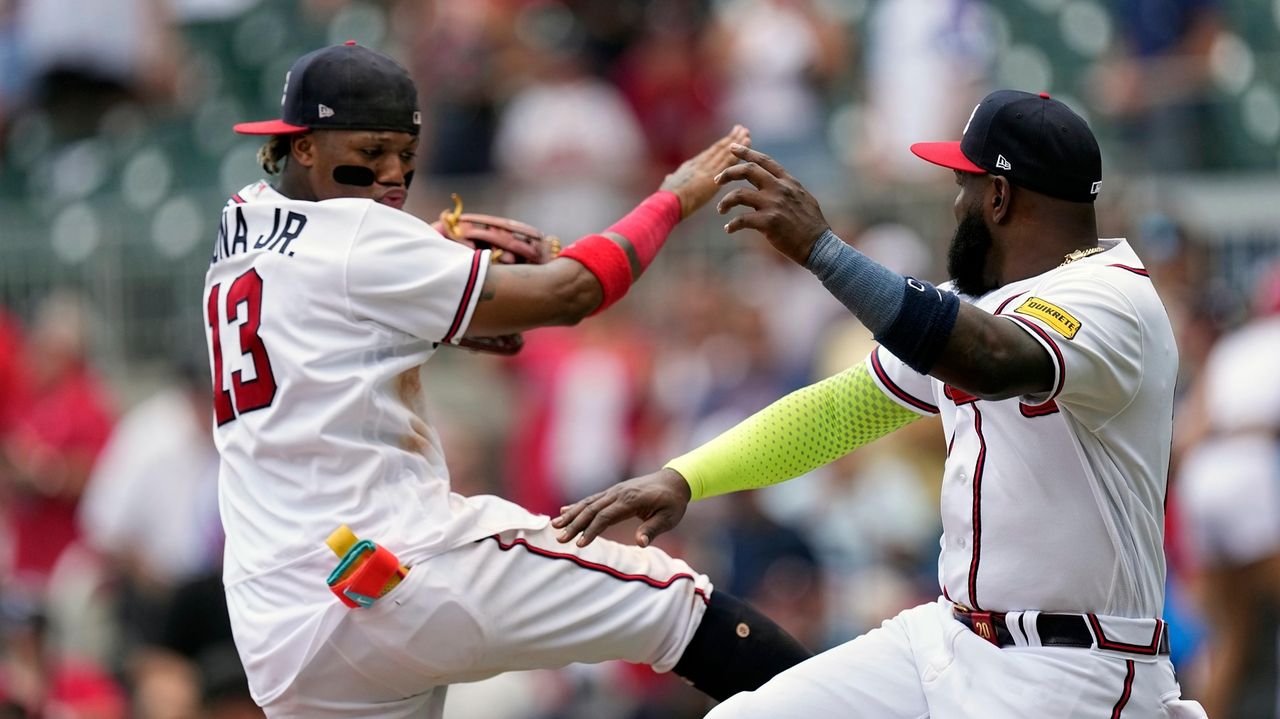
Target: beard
[{"x": 967, "y": 256}]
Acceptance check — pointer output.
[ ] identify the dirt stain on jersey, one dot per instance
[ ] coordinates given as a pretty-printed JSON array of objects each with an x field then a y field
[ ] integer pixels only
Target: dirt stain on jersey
[
  {"x": 416, "y": 440},
  {"x": 409, "y": 390}
]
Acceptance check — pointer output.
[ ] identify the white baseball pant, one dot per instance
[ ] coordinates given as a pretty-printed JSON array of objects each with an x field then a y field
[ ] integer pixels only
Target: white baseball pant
[
  {"x": 923, "y": 664},
  {"x": 518, "y": 600}
]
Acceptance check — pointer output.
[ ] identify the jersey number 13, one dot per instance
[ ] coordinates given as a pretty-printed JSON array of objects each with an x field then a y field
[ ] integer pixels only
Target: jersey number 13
[{"x": 260, "y": 391}]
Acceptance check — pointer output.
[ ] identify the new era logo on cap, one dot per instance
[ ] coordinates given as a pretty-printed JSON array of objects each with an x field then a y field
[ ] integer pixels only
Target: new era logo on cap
[
  {"x": 325, "y": 110},
  {"x": 1057, "y": 153}
]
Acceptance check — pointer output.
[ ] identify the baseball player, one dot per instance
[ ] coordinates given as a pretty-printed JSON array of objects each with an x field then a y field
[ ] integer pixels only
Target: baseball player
[
  {"x": 323, "y": 300},
  {"x": 1052, "y": 363}
]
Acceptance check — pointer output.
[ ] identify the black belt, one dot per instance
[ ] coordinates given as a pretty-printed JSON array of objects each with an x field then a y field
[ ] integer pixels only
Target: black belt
[{"x": 1056, "y": 630}]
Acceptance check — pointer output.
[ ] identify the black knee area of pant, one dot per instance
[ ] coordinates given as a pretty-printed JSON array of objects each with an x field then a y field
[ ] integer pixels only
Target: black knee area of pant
[{"x": 736, "y": 649}]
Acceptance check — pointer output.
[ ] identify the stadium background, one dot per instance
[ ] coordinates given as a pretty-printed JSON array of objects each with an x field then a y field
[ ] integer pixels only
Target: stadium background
[{"x": 117, "y": 153}]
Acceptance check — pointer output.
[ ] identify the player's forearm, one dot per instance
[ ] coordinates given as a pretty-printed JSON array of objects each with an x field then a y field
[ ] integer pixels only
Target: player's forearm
[
  {"x": 929, "y": 329},
  {"x": 800, "y": 432},
  {"x": 619, "y": 255},
  {"x": 991, "y": 358},
  {"x": 521, "y": 297},
  {"x": 591, "y": 274}
]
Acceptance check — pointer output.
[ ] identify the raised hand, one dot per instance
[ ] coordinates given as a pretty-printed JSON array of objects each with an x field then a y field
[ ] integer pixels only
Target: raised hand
[
  {"x": 659, "y": 499},
  {"x": 782, "y": 210},
  {"x": 694, "y": 181}
]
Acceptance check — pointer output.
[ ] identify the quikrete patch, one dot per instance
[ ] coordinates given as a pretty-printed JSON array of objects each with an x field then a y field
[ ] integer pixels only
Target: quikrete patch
[{"x": 1058, "y": 319}]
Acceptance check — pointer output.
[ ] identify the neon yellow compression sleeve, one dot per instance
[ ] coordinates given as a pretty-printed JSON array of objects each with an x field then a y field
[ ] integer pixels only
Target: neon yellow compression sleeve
[{"x": 802, "y": 431}]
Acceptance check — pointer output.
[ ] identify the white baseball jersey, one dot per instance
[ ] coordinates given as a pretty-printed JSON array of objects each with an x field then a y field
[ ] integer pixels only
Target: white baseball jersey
[
  {"x": 1055, "y": 502},
  {"x": 320, "y": 316}
]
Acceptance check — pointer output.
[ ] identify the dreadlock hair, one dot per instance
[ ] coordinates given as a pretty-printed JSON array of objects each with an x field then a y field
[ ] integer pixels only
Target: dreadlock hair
[{"x": 273, "y": 154}]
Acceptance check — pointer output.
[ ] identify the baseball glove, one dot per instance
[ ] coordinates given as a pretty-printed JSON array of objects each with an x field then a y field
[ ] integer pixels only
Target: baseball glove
[{"x": 509, "y": 242}]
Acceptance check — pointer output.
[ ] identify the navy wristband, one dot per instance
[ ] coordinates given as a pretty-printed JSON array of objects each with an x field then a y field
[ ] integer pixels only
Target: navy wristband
[{"x": 920, "y": 332}]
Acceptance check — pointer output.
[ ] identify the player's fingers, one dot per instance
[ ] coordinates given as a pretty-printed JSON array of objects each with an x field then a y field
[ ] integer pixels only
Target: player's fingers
[
  {"x": 749, "y": 171},
  {"x": 740, "y": 197},
  {"x": 565, "y": 523},
  {"x": 749, "y": 221},
  {"x": 746, "y": 154},
  {"x": 582, "y": 515},
  {"x": 604, "y": 519},
  {"x": 566, "y": 513},
  {"x": 717, "y": 157},
  {"x": 735, "y": 135},
  {"x": 725, "y": 158},
  {"x": 718, "y": 151},
  {"x": 738, "y": 136},
  {"x": 576, "y": 525},
  {"x": 569, "y": 511}
]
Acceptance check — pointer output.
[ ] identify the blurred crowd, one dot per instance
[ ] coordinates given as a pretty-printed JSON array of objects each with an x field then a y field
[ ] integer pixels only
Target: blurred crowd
[{"x": 562, "y": 113}]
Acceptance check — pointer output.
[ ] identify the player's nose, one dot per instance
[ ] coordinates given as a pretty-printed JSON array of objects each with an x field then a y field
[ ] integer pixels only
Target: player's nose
[{"x": 392, "y": 173}]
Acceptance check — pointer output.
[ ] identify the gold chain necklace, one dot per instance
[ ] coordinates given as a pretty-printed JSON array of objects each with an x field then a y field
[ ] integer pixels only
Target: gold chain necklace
[{"x": 1080, "y": 255}]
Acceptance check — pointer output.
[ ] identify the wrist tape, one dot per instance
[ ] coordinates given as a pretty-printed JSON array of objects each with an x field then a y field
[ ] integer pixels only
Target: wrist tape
[
  {"x": 617, "y": 263},
  {"x": 605, "y": 259},
  {"x": 911, "y": 318},
  {"x": 924, "y": 323}
]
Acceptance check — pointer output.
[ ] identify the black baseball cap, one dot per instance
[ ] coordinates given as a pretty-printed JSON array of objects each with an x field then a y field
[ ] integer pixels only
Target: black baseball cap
[
  {"x": 343, "y": 87},
  {"x": 1035, "y": 141}
]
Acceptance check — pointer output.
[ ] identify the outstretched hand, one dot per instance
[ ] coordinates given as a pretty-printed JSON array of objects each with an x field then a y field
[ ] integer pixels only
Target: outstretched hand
[
  {"x": 694, "y": 181},
  {"x": 659, "y": 499},
  {"x": 782, "y": 209}
]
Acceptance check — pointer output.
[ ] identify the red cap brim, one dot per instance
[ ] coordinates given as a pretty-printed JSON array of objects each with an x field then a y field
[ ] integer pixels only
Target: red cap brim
[
  {"x": 947, "y": 154},
  {"x": 268, "y": 127}
]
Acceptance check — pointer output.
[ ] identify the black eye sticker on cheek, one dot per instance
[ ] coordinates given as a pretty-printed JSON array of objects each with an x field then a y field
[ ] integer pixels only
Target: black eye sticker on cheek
[
  {"x": 353, "y": 175},
  {"x": 408, "y": 179}
]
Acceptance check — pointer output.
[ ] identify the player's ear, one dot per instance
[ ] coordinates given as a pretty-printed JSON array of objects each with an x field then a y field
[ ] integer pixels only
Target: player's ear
[
  {"x": 303, "y": 149},
  {"x": 999, "y": 196}
]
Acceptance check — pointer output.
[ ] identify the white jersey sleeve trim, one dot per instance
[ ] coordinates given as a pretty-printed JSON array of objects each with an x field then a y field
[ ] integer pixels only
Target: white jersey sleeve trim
[
  {"x": 470, "y": 298},
  {"x": 893, "y": 391}
]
